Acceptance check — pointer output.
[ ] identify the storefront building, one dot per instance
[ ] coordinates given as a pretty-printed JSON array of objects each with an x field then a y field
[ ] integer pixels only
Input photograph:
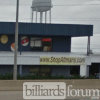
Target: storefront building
[{"x": 43, "y": 48}]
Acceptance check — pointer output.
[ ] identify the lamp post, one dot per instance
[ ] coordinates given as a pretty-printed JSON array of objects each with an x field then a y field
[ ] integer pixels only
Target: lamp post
[{"x": 16, "y": 44}]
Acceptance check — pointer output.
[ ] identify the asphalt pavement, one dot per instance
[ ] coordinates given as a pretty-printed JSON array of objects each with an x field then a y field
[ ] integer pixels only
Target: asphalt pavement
[{"x": 18, "y": 95}]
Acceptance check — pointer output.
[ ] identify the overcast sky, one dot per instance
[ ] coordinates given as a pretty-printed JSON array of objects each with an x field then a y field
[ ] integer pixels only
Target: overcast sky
[{"x": 87, "y": 12}]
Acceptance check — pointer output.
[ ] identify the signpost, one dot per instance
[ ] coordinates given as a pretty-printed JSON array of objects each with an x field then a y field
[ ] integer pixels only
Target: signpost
[{"x": 88, "y": 46}]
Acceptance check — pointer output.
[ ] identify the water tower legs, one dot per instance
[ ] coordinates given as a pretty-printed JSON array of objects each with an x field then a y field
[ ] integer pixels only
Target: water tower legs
[
  {"x": 50, "y": 15},
  {"x": 36, "y": 13},
  {"x": 45, "y": 17},
  {"x": 32, "y": 16},
  {"x": 41, "y": 17}
]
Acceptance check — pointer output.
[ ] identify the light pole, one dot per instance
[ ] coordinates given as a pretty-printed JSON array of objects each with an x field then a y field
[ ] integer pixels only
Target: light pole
[{"x": 16, "y": 44}]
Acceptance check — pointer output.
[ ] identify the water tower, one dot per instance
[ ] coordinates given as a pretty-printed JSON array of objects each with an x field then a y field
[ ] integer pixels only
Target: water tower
[{"x": 41, "y": 6}]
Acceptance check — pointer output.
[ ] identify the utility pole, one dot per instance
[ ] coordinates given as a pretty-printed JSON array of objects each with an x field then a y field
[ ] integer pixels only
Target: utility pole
[{"x": 16, "y": 44}]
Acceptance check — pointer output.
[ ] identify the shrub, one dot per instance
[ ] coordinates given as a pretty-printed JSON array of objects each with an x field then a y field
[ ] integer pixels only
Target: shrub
[{"x": 34, "y": 77}]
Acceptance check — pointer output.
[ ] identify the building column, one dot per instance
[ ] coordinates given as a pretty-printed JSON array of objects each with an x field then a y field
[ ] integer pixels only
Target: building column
[
  {"x": 84, "y": 70},
  {"x": 20, "y": 70}
]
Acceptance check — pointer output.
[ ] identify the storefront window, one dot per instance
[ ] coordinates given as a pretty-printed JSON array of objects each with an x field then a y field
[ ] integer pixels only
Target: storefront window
[
  {"x": 47, "y": 44},
  {"x": 38, "y": 44},
  {"x": 40, "y": 71},
  {"x": 35, "y": 42}
]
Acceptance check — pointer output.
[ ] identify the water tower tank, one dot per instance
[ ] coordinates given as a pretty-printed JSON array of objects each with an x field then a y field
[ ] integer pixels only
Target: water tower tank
[{"x": 41, "y": 5}]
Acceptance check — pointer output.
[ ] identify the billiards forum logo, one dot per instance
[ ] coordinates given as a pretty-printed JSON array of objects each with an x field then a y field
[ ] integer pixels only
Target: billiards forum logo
[
  {"x": 56, "y": 90},
  {"x": 44, "y": 90}
]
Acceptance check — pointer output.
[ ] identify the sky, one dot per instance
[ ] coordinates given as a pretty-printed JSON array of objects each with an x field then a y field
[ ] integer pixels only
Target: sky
[{"x": 63, "y": 12}]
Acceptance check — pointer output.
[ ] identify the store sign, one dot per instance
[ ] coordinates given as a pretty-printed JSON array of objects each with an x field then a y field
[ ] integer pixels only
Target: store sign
[
  {"x": 24, "y": 41},
  {"x": 62, "y": 61},
  {"x": 4, "y": 39},
  {"x": 13, "y": 46}
]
